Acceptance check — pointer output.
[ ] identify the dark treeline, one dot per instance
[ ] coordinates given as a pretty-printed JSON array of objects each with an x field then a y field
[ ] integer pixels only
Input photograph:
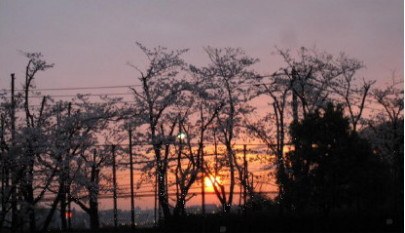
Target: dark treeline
[{"x": 346, "y": 137}]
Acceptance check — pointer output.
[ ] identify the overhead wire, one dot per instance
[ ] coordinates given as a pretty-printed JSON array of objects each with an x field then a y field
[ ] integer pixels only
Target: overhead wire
[{"x": 115, "y": 94}]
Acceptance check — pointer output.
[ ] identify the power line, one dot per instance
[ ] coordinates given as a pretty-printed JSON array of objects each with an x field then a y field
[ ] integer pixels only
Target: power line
[
  {"x": 81, "y": 88},
  {"x": 131, "y": 101},
  {"x": 109, "y": 87},
  {"x": 151, "y": 194},
  {"x": 118, "y": 94},
  {"x": 85, "y": 94}
]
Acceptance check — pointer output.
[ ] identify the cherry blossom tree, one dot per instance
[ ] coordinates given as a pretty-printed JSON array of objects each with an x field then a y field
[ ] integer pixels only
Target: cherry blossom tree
[
  {"x": 160, "y": 89},
  {"x": 229, "y": 72}
]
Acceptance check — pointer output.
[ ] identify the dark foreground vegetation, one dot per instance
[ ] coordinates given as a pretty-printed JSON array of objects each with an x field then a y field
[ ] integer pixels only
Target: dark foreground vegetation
[
  {"x": 345, "y": 221},
  {"x": 269, "y": 221}
]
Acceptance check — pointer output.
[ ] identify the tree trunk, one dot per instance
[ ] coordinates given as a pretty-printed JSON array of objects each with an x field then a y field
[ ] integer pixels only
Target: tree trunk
[
  {"x": 93, "y": 202},
  {"x": 63, "y": 207},
  {"x": 163, "y": 197},
  {"x": 51, "y": 211},
  {"x": 93, "y": 213},
  {"x": 29, "y": 191},
  {"x": 398, "y": 171},
  {"x": 179, "y": 210}
]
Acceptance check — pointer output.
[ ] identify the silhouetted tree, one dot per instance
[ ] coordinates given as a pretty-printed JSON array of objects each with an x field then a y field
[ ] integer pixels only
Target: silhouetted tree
[
  {"x": 230, "y": 75},
  {"x": 271, "y": 129},
  {"x": 331, "y": 166},
  {"x": 33, "y": 136},
  {"x": 386, "y": 133},
  {"x": 200, "y": 111},
  {"x": 308, "y": 81},
  {"x": 160, "y": 90}
]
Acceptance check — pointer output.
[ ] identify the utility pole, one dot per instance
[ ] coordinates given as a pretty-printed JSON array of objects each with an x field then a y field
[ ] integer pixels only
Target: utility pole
[
  {"x": 131, "y": 180},
  {"x": 12, "y": 110},
  {"x": 294, "y": 103},
  {"x": 114, "y": 187},
  {"x": 156, "y": 193},
  {"x": 216, "y": 154},
  {"x": 245, "y": 175},
  {"x": 68, "y": 183},
  {"x": 253, "y": 179},
  {"x": 202, "y": 182},
  {"x": 70, "y": 215},
  {"x": 202, "y": 188},
  {"x": 14, "y": 216},
  {"x": 4, "y": 176}
]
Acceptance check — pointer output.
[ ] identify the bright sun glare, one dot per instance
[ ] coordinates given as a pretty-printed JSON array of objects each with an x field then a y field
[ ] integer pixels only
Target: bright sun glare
[{"x": 209, "y": 182}]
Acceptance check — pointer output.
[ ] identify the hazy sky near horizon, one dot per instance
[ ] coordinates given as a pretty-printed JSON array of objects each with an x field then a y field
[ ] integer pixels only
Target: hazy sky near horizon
[{"x": 91, "y": 41}]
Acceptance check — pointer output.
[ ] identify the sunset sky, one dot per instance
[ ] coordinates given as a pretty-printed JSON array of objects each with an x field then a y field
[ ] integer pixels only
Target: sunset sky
[{"x": 91, "y": 42}]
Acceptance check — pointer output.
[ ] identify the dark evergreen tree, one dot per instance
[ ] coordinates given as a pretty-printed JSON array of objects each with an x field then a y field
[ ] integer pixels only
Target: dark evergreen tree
[{"x": 331, "y": 166}]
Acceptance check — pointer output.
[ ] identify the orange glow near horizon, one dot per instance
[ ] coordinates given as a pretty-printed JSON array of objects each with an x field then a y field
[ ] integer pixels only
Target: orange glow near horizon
[{"x": 210, "y": 182}]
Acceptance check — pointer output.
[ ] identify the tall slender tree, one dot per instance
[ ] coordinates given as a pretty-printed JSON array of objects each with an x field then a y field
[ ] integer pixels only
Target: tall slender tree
[
  {"x": 160, "y": 89},
  {"x": 230, "y": 73}
]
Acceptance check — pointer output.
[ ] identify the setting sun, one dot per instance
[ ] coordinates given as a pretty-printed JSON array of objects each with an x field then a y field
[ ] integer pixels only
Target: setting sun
[{"x": 209, "y": 182}]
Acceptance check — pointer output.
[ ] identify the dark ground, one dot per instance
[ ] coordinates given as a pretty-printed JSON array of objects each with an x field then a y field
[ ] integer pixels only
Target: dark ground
[{"x": 264, "y": 222}]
